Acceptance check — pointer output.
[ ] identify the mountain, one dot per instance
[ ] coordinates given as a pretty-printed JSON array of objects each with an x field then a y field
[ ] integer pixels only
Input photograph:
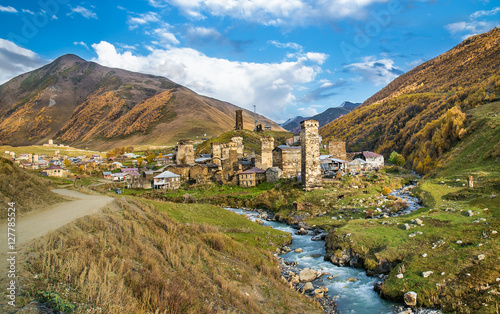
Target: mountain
[
  {"x": 424, "y": 113},
  {"x": 327, "y": 116},
  {"x": 84, "y": 104}
]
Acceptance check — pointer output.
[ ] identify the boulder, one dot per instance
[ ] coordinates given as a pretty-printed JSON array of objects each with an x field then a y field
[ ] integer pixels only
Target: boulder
[
  {"x": 298, "y": 250},
  {"x": 307, "y": 287},
  {"x": 410, "y": 298},
  {"x": 399, "y": 276},
  {"x": 352, "y": 279},
  {"x": 426, "y": 274},
  {"x": 307, "y": 274},
  {"x": 301, "y": 231},
  {"x": 480, "y": 257},
  {"x": 469, "y": 213},
  {"x": 318, "y": 293},
  {"x": 418, "y": 221}
]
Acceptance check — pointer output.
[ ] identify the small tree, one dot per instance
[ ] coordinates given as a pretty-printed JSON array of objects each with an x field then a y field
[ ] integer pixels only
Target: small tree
[
  {"x": 392, "y": 157},
  {"x": 399, "y": 160},
  {"x": 150, "y": 158},
  {"x": 66, "y": 163}
]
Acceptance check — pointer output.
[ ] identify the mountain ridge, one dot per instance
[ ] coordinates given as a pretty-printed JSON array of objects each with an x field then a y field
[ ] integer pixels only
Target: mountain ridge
[
  {"x": 84, "y": 104},
  {"x": 325, "y": 117},
  {"x": 424, "y": 112}
]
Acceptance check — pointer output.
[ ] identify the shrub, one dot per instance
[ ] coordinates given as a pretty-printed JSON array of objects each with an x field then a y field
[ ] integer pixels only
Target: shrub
[
  {"x": 55, "y": 301},
  {"x": 386, "y": 191}
]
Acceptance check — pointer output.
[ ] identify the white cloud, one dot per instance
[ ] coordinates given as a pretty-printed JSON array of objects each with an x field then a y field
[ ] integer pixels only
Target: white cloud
[
  {"x": 28, "y": 11},
  {"x": 8, "y": 9},
  {"x": 482, "y": 13},
  {"x": 203, "y": 32},
  {"x": 81, "y": 43},
  {"x": 379, "y": 72},
  {"x": 268, "y": 85},
  {"x": 166, "y": 37},
  {"x": 86, "y": 13},
  {"x": 474, "y": 26},
  {"x": 15, "y": 60},
  {"x": 285, "y": 45},
  {"x": 275, "y": 12},
  {"x": 308, "y": 111},
  {"x": 142, "y": 19}
]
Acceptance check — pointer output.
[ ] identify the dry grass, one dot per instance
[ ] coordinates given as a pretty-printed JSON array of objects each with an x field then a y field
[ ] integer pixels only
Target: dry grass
[{"x": 138, "y": 260}]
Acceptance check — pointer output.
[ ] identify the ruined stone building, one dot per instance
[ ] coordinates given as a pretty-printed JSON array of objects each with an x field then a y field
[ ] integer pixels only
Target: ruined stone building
[
  {"x": 239, "y": 120},
  {"x": 336, "y": 149},
  {"x": 310, "y": 160},
  {"x": 239, "y": 145},
  {"x": 184, "y": 153},
  {"x": 373, "y": 160},
  {"x": 273, "y": 174},
  {"x": 266, "y": 154},
  {"x": 288, "y": 159}
]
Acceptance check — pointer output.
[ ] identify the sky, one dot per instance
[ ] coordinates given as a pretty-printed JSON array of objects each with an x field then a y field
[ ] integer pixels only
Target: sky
[{"x": 286, "y": 57}]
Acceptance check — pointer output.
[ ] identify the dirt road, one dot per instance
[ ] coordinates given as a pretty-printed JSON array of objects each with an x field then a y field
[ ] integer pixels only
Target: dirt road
[{"x": 39, "y": 223}]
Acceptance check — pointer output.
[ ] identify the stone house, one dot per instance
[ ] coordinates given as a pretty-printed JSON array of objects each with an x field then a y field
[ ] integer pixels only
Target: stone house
[
  {"x": 273, "y": 174},
  {"x": 251, "y": 177},
  {"x": 166, "y": 180},
  {"x": 357, "y": 165},
  {"x": 288, "y": 159},
  {"x": 55, "y": 171},
  {"x": 373, "y": 160}
]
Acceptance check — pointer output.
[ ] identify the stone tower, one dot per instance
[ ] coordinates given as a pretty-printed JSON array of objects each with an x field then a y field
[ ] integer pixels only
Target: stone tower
[
  {"x": 216, "y": 153},
  {"x": 239, "y": 145},
  {"x": 310, "y": 163},
  {"x": 239, "y": 120},
  {"x": 184, "y": 152},
  {"x": 336, "y": 149},
  {"x": 267, "y": 146}
]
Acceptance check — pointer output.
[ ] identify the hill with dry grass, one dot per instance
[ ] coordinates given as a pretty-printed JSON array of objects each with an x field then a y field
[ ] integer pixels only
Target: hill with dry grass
[
  {"x": 84, "y": 104},
  {"x": 26, "y": 190},
  {"x": 424, "y": 113}
]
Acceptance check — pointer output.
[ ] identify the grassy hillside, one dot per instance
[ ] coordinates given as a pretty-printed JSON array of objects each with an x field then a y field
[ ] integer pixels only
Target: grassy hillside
[
  {"x": 26, "y": 190},
  {"x": 251, "y": 140},
  {"x": 162, "y": 258},
  {"x": 425, "y": 112},
  {"x": 459, "y": 239},
  {"x": 85, "y": 104}
]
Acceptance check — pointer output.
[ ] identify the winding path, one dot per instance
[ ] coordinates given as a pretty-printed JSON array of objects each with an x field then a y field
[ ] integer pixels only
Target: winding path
[{"x": 39, "y": 223}]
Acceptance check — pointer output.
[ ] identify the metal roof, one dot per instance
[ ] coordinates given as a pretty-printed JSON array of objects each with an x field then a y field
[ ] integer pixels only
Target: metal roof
[{"x": 167, "y": 174}]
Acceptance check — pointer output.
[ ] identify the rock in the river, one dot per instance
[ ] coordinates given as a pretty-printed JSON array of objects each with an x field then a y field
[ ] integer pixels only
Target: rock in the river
[
  {"x": 426, "y": 274},
  {"x": 307, "y": 287},
  {"x": 298, "y": 250},
  {"x": 352, "y": 279},
  {"x": 307, "y": 274},
  {"x": 301, "y": 231},
  {"x": 410, "y": 298},
  {"x": 318, "y": 293}
]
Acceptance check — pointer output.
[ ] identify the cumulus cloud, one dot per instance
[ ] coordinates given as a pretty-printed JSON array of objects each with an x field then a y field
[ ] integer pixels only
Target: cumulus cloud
[
  {"x": 268, "y": 85},
  {"x": 8, "y": 9},
  {"x": 474, "y": 25},
  {"x": 86, "y": 13},
  {"x": 166, "y": 37},
  {"x": 275, "y": 12},
  {"x": 15, "y": 60},
  {"x": 379, "y": 72}
]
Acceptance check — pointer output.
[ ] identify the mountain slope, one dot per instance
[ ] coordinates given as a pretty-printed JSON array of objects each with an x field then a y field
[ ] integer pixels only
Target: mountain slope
[
  {"x": 85, "y": 104},
  {"x": 423, "y": 113},
  {"x": 327, "y": 116}
]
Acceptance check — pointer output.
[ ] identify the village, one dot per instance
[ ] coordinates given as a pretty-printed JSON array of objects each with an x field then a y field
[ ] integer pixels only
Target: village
[{"x": 298, "y": 159}]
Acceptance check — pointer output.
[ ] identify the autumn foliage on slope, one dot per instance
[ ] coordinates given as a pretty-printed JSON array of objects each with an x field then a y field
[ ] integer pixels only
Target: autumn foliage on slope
[{"x": 423, "y": 113}]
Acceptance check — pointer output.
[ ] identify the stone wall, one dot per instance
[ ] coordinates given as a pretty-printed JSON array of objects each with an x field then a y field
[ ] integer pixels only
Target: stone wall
[
  {"x": 336, "y": 149},
  {"x": 184, "y": 153},
  {"x": 288, "y": 159},
  {"x": 266, "y": 155},
  {"x": 310, "y": 162},
  {"x": 239, "y": 145}
]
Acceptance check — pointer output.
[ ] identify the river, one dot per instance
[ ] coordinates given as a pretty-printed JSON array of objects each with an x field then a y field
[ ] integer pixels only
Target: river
[{"x": 351, "y": 296}]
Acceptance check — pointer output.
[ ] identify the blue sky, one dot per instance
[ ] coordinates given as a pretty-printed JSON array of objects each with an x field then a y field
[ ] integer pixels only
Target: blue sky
[{"x": 288, "y": 57}]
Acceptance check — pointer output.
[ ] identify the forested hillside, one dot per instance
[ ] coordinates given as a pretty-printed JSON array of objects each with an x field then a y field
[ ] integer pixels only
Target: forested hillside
[{"x": 425, "y": 112}]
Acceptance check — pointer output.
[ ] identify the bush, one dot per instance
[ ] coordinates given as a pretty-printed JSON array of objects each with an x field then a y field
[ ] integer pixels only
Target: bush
[
  {"x": 386, "y": 191},
  {"x": 55, "y": 301}
]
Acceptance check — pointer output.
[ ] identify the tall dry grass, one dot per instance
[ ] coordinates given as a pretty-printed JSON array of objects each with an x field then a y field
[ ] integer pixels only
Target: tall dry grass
[{"x": 138, "y": 260}]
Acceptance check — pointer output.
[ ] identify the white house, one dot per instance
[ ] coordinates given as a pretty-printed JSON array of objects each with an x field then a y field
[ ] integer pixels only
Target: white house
[{"x": 166, "y": 180}]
